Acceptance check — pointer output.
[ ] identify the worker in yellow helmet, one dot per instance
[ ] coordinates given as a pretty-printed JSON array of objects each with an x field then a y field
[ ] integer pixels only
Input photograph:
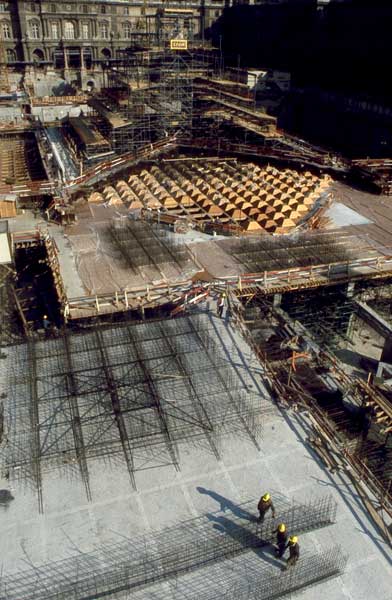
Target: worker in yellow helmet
[
  {"x": 293, "y": 547},
  {"x": 265, "y": 504},
  {"x": 281, "y": 539}
]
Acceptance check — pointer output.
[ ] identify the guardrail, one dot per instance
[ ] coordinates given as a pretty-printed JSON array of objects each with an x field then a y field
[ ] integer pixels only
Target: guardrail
[{"x": 120, "y": 161}]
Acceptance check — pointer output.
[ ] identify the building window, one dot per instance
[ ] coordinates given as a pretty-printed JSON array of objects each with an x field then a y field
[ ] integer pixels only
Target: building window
[
  {"x": 69, "y": 30},
  {"x": 6, "y": 31},
  {"x": 38, "y": 55},
  {"x": 54, "y": 27},
  {"x": 103, "y": 10},
  {"x": 127, "y": 31},
  {"x": 53, "y": 8},
  {"x": 126, "y": 10},
  {"x": 3, "y": 7},
  {"x": 104, "y": 31},
  {"x": 85, "y": 9},
  {"x": 85, "y": 31},
  {"x": 32, "y": 7},
  {"x": 11, "y": 56},
  {"x": 34, "y": 30}
]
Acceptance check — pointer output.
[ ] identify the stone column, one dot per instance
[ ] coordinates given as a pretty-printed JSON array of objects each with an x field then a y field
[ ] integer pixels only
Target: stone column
[{"x": 66, "y": 66}]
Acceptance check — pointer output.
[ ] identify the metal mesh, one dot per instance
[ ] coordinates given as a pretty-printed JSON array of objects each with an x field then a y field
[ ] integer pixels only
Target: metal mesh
[
  {"x": 166, "y": 554},
  {"x": 120, "y": 390}
]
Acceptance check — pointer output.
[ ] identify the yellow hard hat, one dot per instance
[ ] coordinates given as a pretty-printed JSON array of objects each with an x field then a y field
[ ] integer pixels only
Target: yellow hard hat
[
  {"x": 282, "y": 527},
  {"x": 266, "y": 497},
  {"x": 293, "y": 539}
]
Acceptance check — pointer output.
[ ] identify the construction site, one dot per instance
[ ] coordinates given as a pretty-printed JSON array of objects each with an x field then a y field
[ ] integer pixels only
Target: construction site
[{"x": 195, "y": 310}]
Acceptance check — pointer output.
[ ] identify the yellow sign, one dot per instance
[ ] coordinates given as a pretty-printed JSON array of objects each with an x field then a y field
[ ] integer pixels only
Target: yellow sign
[{"x": 178, "y": 44}]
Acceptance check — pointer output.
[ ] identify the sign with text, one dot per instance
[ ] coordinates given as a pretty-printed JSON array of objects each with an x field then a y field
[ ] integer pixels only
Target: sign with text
[{"x": 178, "y": 44}]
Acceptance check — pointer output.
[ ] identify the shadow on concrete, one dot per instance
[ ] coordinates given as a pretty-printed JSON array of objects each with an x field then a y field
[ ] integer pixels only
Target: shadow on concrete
[
  {"x": 248, "y": 539},
  {"x": 226, "y": 504}
]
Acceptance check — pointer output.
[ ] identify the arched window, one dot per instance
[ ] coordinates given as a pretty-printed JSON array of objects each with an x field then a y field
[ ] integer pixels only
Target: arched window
[
  {"x": 6, "y": 31},
  {"x": 11, "y": 56},
  {"x": 34, "y": 30},
  {"x": 69, "y": 30},
  {"x": 55, "y": 30},
  {"x": 104, "y": 31},
  {"x": 127, "y": 30},
  {"x": 38, "y": 55}
]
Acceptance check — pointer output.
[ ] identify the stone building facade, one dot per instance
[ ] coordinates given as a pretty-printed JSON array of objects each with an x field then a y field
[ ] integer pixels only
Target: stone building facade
[{"x": 82, "y": 33}]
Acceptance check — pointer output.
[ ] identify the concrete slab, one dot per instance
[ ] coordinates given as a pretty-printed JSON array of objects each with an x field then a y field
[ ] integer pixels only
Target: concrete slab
[
  {"x": 327, "y": 589},
  {"x": 68, "y": 266},
  {"x": 255, "y": 480},
  {"x": 285, "y": 466},
  {"x": 369, "y": 579},
  {"x": 166, "y": 508},
  {"x": 212, "y": 493},
  {"x": 341, "y": 215}
]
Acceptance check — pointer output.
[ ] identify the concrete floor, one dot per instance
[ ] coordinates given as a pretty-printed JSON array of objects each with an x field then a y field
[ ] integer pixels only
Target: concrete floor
[{"x": 285, "y": 465}]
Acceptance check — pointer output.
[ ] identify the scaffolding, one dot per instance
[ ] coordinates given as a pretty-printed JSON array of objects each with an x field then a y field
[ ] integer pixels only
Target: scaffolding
[
  {"x": 351, "y": 419},
  {"x": 131, "y": 390},
  {"x": 167, "y": 554},
  {"x": 149, "y": 96}
]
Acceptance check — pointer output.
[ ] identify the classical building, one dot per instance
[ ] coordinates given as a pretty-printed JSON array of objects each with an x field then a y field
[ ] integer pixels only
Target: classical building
[{"x": 79, "y": 33}]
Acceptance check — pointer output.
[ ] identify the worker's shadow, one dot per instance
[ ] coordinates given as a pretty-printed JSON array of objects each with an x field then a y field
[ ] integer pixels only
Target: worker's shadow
[
  {"x": 248, "y": 539},
  {"x": 226, "y": 504}
]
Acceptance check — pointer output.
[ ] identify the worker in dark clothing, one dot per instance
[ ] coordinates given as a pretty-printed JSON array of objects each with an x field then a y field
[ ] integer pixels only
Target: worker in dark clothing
[
  {"x": 221, "y": 304},
  {"x": 281, "y": 539},
  {"x": 264, "y": 505},
  {"x": 293, "y": 547},
  {"x": 46, "y": 324}
]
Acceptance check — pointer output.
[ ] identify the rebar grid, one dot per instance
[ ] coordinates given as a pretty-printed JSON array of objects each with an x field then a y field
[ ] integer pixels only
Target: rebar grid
[
  {"x": 143, "y": 244},
  {"x": 163, "y": 555},
  {"x": 299, "y": 250},
  {"x": 120, "y": 389},
  {"x": 253, "y": 579}
]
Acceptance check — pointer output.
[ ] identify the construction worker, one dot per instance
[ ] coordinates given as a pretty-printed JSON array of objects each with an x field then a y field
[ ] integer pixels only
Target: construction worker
[
  {"x": 281, "y": 539},
  {"x": 293, "y": 547},
  {"x": 221, "y": 304},
  {"x": 46, "y": 324},
  {"x": 264, "y": 505}
]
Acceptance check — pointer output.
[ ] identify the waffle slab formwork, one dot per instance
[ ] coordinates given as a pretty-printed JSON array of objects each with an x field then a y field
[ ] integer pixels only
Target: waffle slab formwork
[
  {"x": 164, "y": 555},
  {"x": 128, "y": 389}
]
